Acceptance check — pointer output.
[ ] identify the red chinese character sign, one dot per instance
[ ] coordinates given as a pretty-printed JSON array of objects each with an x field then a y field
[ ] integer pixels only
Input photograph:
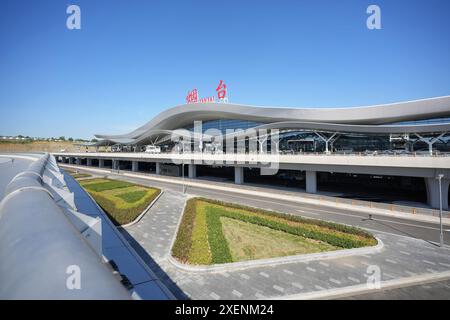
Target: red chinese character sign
[
  {"x": 222, "y": 91},
  {"x": 222, "y": 95}
]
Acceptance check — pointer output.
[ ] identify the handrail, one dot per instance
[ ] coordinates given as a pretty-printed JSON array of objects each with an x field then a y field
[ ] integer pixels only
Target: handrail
[{"x": 42, "y": 255}]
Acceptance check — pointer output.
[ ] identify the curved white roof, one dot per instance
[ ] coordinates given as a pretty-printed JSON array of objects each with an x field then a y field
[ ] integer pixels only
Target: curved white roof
[{"x": 354, "y": 119}]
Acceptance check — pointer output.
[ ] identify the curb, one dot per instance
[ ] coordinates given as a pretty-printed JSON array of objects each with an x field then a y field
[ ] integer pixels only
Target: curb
[
  {"x": 168, "y": 256},
  {"x": 282, "y": 260},
  {"x": 363, "y": 288}
]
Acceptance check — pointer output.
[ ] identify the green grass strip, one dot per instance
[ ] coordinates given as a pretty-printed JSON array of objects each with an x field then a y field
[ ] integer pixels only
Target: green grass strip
[
  {"x": 217, "y": 242},
  {"x": 132, "y": 197}
]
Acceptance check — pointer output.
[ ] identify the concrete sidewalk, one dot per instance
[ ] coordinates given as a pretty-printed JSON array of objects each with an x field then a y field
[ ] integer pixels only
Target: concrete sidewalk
[{"x": 402, "y": 261}]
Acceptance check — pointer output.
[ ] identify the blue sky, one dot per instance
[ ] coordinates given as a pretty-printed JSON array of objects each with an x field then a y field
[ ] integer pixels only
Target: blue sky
[{"x": 134, "y": 58}]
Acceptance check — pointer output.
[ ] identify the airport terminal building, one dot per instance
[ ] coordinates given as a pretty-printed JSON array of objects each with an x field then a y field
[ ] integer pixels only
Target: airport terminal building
[
  {"x": 403, "y": 127},
  {"x": 398, "y": 144}
]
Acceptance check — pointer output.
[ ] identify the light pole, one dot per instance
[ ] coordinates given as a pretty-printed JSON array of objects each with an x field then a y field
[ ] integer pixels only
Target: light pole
[
  {"x": 182, "y": 169},
  {"x": 441, "y": 235}
]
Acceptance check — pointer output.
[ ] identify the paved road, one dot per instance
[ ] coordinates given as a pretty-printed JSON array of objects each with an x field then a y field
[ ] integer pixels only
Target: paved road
[
  {"x": 429, "y": 291},
  {"x": 414, "y": 229}
]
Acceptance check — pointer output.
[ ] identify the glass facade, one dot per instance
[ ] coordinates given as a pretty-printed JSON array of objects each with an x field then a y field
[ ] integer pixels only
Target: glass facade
[
  {"x": 224, "y": 124},
  {"x": 307, "y": 140}
]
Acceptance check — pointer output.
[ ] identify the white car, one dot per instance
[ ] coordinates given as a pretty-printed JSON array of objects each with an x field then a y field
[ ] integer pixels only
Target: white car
[{"x": 152, "y": 149}]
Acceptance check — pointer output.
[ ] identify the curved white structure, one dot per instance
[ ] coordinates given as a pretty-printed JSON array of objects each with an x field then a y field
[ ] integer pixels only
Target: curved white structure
[{"x": 376, "y": 119}]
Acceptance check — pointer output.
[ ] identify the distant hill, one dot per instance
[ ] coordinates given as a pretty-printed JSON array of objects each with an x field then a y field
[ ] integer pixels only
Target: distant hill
[{"x": 38, "y": 146}]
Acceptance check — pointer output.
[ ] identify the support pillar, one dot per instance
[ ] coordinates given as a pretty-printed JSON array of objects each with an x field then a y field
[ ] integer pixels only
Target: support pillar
[
  {"x": 192, "y": 171},
  {"x": 89, "y": 162},
  {"x": 134, "y": 166},
  {"x": 158, "y": 168},
  {"x": 311, "y": 181},
  {"x": 101, "y": 163},
  {"x": 115, "y": 165},
  {"x": 430, "y": 141},
  {"x": 70, "y": 160},
  {"x": 79, "y": 161},
  {"x": 433, "y": 192},
  {"x": 238, "y": 175},
  {"x": 327, "y": 140}
]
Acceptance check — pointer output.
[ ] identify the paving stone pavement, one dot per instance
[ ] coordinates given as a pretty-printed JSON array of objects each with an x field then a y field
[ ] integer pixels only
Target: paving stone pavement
[{"x": 152, "y": 236}]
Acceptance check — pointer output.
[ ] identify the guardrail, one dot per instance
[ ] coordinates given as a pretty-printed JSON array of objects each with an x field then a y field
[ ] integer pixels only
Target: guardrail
[
  {"x": 376, "y": 205},
  {"x": 358, "y": 154},
  {"x": 42, "y": 254}
]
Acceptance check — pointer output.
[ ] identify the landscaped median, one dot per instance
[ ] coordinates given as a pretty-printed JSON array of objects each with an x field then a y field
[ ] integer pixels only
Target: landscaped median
[
  {"x": 213, "y": 232},
  {"x": 122, "y": 201}
]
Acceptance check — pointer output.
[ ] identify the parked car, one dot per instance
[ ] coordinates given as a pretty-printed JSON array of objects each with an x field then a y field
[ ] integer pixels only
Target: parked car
[{"x": 152, "y": 149}]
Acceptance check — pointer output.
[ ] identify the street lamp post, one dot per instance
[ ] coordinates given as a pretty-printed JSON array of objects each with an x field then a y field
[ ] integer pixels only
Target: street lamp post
[
  {"x": 182, "y": 169},
  {"x": 441, "y": 231}
]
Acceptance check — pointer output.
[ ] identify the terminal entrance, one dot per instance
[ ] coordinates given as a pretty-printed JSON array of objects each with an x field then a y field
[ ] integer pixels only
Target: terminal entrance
[{"x": 302, "y": 145}]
